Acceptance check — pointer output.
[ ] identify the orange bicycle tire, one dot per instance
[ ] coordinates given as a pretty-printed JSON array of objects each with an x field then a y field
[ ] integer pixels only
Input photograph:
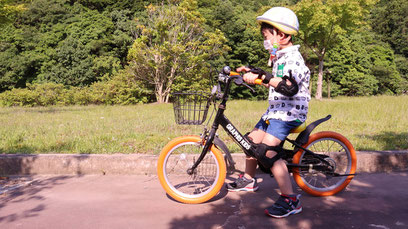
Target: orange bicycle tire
[
  {"x": 161, "y": 171},
  {"x": 353, "y": 164}
]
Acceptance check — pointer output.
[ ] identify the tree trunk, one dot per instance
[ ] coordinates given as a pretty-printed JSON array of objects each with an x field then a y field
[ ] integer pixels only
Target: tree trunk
[
  {"x": 159, "y": 93},
  {"x": 328, "y": 87},
  {"x": 170, "y": 80},
  {"x": 319, "y": 80}
]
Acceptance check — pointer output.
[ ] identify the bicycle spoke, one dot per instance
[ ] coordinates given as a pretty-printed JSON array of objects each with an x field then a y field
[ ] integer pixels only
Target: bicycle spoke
[
  {"x": 337, "y": 157},
  {"x": 202, "y": 178}
]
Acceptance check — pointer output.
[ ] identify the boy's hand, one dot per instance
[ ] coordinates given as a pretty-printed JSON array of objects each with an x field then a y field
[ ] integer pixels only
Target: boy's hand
[
  {"x": 250, "y": 78},
  {"x": 243, "y": 69}
]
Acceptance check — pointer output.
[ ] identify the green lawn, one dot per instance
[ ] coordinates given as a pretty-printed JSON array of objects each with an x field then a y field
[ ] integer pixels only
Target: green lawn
[{"x": 370, "y": 123}]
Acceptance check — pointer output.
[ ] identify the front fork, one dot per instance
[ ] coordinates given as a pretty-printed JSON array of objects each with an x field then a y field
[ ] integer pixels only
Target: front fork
[{"x": 207, "y": 146}]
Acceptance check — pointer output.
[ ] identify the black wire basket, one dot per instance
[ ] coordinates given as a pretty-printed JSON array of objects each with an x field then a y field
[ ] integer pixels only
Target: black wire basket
[{"x": 190, "y": 108}]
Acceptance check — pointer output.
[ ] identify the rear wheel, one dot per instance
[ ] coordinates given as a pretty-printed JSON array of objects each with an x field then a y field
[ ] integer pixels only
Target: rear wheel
[
  {"x": 204, "y": 183},
  {"x": 325, "y": 179}
]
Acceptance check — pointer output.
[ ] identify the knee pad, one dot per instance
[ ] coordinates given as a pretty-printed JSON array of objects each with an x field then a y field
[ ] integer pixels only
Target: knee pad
[{"x": 260, "y": 154}]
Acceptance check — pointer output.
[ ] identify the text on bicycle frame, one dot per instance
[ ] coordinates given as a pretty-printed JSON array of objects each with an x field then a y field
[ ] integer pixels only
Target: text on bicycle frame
[{"x": 238, "y": 137}]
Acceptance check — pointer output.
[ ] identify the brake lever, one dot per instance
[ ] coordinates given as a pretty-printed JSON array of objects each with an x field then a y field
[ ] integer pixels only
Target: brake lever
[
  {"x": 240, "y": 81},
  {"x": 249, "y": 87}
]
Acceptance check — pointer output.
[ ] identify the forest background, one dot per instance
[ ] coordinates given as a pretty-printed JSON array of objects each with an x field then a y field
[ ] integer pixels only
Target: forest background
[{"x": 68, "y": 52}]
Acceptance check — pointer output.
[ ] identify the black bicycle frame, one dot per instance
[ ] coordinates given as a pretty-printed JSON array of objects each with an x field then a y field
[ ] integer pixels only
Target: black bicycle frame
[
  {"x": 221, "y": 119},
  {"x": 246, "y": 146}
]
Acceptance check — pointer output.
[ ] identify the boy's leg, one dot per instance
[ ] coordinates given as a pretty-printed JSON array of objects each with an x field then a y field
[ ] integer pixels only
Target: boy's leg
[
  {"x": 251, "y": 163},
  {"x": 279, "y": 168},
  {"x": 288, "y": 203},
  {"x": 247, "y": 182}
]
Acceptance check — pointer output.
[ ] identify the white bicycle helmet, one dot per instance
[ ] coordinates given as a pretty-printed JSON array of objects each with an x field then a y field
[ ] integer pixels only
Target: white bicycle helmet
[{"x": 281, "y": 18}]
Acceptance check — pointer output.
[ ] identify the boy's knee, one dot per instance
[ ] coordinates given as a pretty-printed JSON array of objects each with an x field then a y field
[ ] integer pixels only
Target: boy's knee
[
  {"x": 256, "y": 136},
  {"x": 268, "y": 155}
]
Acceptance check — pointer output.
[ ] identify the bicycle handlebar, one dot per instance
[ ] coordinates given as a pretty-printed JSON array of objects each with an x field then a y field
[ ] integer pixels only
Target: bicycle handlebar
[
  {"x": 227, "y": 76},
  {"x": 257, "y": 81}
]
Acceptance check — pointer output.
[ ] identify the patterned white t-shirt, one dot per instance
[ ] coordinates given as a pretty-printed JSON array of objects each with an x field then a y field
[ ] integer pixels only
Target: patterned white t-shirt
[{"x": 287, "y": 108}]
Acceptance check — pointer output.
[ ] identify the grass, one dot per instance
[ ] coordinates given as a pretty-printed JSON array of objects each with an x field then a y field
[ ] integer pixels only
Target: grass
[{"x": 370, "y": 123}]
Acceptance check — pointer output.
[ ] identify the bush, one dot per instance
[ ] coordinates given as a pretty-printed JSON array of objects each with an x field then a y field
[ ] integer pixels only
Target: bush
[
  {"x": 18, "y": 97},
  {"x": 119, "y": 90}
]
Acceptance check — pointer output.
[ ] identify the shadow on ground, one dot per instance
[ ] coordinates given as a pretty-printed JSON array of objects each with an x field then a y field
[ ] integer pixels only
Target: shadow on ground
[
  {"x": 23, "y": 194},
  {"x": 362, "y": 205}
]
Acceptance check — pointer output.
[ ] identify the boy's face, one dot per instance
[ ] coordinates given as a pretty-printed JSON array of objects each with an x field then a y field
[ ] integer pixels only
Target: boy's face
[
  {"x": 268, "y": 35},
  {"x": 275, "y": 36}
]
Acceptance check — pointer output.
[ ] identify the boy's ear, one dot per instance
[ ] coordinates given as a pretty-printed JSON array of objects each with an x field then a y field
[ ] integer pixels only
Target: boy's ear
[{"x": 284, "y": 37}]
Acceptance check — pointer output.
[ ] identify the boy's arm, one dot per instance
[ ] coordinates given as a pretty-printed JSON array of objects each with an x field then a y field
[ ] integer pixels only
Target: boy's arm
[{"x": 286, "y": 85}]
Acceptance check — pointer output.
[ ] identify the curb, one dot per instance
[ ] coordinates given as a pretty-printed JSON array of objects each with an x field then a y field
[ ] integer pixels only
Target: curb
[{"x": 138, "y": 164}]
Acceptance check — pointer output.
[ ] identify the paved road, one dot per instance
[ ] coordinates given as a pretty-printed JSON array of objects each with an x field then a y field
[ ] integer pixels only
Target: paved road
[{"x": 376, "y": 200}]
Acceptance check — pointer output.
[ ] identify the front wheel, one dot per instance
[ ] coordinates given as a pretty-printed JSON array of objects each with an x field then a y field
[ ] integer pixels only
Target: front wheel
[
  {"x": 177, "y": 157},
  {"x": 332, "y": 176}
]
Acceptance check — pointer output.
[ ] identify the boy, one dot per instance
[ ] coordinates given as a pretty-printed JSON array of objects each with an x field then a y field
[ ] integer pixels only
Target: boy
[{"x": 288, "y": 105}]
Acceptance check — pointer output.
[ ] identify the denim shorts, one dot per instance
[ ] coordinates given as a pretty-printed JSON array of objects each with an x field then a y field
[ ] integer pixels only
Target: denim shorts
[{"x": 277, "y": 128}]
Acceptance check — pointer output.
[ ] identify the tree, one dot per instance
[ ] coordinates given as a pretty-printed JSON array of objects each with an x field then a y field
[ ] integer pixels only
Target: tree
[
  {"x": 171, "y": 45},
  {"x": 390, "y": 18},
  {"x": 84, "y": 55},
  {"x": 63, "y": 42},
  {"x": 402, "y": 65},
  {"x": 349, "y": 63},
  {"x": 321, "y": 23},
  {"x": 362, "y": 64},
  {"x": 7, "y": 9}
]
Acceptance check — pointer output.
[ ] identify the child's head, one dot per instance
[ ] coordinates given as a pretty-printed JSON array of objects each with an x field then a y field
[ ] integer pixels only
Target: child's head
[
  {"x": 281, "y": 18},
  {"x": 274, "y": 35},
  {"x": 278, "y": 24}
]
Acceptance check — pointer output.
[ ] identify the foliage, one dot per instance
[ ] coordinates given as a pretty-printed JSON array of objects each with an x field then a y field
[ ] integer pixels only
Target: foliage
[
  {"x": 118, "y": 90},
  {"x": 172, "y": 46},
  {"x": 8, "y": 8},
  {"x": 360, "y": 64},
  {"x": 390, "y": 19},
  {"x": 322, "y": 22},
  {"x": 83, "y": 46},
  {"x": 402, "y": 66},
  {"x": 54, "y": 41}
]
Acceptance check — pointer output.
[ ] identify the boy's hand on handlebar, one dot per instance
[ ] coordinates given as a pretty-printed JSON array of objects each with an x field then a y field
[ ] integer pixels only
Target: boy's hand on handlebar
[
  {"x": 250, "y": 78},
  {"x": 255, "y": 75},
  {"x": 243, "y": 69}
]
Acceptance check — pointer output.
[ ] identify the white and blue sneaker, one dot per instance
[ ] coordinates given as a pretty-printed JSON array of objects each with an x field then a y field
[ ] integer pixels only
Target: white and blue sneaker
[
  {"x": 243, "y": 184},
  {"x": 285, "y": 206}
]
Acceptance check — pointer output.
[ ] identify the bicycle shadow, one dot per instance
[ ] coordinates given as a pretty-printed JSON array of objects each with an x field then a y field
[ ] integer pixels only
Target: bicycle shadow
[{"x": 231, "y": 176}]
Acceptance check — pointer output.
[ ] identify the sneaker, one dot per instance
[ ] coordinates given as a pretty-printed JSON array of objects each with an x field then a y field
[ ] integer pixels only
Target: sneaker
[
  {"x": 243, "y": 184},
  {"x": 284, "y": 207}
]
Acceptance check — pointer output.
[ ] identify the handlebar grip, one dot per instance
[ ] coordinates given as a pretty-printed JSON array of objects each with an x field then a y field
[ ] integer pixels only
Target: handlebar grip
[
  {"x": 258, "y": 81},
  {"x": 234, "y": 73}
]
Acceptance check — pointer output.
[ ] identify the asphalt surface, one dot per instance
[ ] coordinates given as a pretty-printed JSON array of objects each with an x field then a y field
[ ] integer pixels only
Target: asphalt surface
[{"x": 372, "y": 200}]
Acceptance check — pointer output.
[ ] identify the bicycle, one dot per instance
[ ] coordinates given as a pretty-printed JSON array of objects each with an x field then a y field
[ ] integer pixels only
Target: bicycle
[{"x": 192, "y": 169}]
